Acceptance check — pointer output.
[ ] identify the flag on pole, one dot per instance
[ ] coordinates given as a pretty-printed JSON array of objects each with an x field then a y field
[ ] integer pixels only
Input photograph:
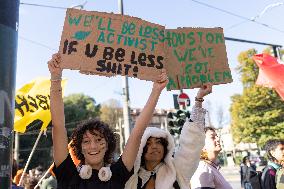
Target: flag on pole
[
  {"x": 271, "y": 73},
  {"x": 32, "y": 102}
]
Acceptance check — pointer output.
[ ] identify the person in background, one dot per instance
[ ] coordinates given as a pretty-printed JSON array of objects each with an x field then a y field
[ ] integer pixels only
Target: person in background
[
  {"x": 17, "y": 177},
  {"x": 275, "y": 154},
  {"x": 207, "y": 175},
  {"x": 14, "y": 174},
  {"x": 156, "y": 168},
  {"x": 247, "y": 169},
  {"x": 30, "y": 182},
  {"x": 49, "y": 182},
  {"x": 280, "y": 176},
  {"x": 38, "y": 172},
  {"x": 93, "y": 142}
]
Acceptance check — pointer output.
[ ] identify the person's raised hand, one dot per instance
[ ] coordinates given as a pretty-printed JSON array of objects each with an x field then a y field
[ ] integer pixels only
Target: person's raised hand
[
  {"x": 204, "y": 90},
  {"x": 54, "y": 66},
  {"x": 161, "y": 82}
]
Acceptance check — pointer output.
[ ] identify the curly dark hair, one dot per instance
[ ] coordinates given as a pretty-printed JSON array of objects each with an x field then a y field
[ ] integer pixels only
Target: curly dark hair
[
  {"x": 272, "y": 145},
  {"x": 245, "y": 159},
  {"x": 165, "y": 145},
  {"x": 209, "y": 129},
  {"x": 91, "y": 126}
]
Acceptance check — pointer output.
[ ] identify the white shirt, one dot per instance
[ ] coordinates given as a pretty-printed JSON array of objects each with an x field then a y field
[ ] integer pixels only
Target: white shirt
[{"x": 208, "y": 176}]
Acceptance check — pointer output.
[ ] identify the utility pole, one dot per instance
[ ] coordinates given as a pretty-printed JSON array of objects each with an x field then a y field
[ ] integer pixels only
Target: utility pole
[
  {"x": 274, "y": 48},
  {"x": 9, "y": 18},
  {"x": 125, "y": 94}
]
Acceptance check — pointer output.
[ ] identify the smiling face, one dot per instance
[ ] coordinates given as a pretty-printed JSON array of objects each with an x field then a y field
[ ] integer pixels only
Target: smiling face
[
  {"x": 94, "y": 147},
  {"x": 212, "y": 142},
  {"x": 154, "y": 150}
]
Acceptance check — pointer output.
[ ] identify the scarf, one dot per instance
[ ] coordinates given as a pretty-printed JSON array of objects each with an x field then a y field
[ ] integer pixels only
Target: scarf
[
  {"x": 274, "y": 165},
  {"x": 145, "y": 175}
]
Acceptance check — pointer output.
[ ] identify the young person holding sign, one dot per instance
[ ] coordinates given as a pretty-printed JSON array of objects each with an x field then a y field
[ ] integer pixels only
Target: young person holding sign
[
  {"x": 93, "y": 142},
  {"x": 156, "y": 168}
]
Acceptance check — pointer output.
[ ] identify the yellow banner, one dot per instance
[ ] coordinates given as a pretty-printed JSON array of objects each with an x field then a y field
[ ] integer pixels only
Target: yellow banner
[{"x": 32, "y": 102}]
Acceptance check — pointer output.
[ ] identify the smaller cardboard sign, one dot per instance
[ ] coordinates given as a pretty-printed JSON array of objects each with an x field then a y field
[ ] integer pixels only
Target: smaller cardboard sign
[
  {"x": 196, "y": 56},
  {"x": 112, "y": 44}
]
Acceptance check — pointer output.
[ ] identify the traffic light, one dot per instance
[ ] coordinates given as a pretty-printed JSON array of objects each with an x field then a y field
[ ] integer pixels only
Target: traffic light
[{"x": 176, "y": 121}]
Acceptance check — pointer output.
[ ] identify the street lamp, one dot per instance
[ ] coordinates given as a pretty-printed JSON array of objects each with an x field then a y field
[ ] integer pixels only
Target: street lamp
[
  {"x": 270, "y": 6},
  {"x": 80, "y": 6},
  {"x": 253, "y": 19}
]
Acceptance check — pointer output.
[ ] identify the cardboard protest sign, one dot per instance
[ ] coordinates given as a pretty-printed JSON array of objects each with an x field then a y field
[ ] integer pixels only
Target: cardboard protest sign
[
  {"x": 112, "y": 44},
  {"x": 196, "y": 56}
]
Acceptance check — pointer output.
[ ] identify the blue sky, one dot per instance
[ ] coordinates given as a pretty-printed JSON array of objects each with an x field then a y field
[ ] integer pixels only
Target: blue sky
[{"x": 40, "y": 32}]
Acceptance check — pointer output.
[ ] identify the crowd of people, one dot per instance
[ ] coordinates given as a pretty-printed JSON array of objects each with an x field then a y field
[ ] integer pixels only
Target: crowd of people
[
  {"x": 32, "y": 179},
  {"x": 149, "y": 159},
  {"x": 271, "y": 176}
]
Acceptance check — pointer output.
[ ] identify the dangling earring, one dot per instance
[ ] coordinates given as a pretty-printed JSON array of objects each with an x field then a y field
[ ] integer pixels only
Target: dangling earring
[{"x": 204, "y": 155}]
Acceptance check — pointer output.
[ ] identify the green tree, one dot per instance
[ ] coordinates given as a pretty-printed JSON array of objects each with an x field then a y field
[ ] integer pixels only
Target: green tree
[
  {"x": 80, "y": 107},
  {"x": 269, "y": 50},
  {"x": 111, "y": 111},
  {"x": 43, "y": 152},
  {"x": 258, "y": 113}
]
